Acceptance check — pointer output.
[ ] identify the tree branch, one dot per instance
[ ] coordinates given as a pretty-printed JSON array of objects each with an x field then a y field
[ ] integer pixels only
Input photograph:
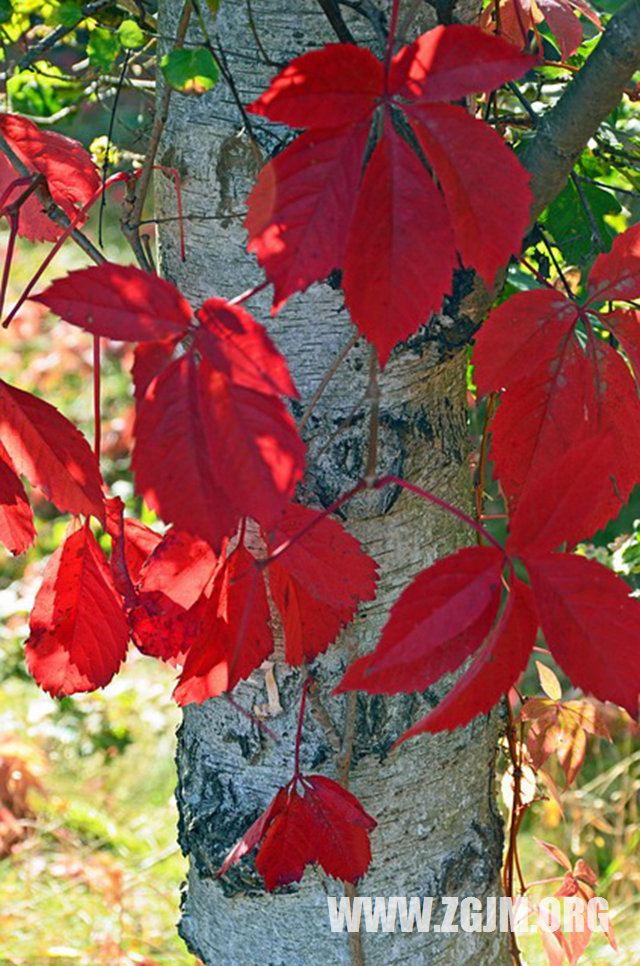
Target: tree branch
[{"x": 596, "y": 89}]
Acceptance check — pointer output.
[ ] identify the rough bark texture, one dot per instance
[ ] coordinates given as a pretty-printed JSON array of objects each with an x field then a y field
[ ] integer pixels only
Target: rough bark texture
[{"x": 438, "y": 832}]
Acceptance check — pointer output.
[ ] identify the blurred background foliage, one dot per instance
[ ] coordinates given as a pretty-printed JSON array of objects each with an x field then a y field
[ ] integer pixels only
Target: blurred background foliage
[{"x": 89, "y": 870}]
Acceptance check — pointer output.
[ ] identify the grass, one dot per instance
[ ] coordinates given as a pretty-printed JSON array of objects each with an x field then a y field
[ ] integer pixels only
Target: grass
[{"x": 97, "y": 879}]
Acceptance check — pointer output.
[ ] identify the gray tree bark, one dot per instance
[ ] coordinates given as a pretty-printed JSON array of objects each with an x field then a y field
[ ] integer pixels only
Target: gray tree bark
[{"x": 439, "y": 832}]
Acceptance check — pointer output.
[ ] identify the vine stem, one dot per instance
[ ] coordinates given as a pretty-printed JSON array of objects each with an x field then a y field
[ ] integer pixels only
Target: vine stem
[
  {"x": 303, "y": 703},
  {"x": 482, "y": 462},
  {"x": 432, "y": 498},
  {"x": 69, "y": 230},
  {"x": 249, "y": 293},
  {"x": 326, "y": 379},
  {"x": 393, "y": 24},
  {"x": 97, "y": 416}
]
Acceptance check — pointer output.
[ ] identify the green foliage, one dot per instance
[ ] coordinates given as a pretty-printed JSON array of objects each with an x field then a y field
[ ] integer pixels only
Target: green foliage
[
  {"x": 130, "y": 35},
  {"x": 192, "y": 71},
  {"x": 103, "y": 48}
]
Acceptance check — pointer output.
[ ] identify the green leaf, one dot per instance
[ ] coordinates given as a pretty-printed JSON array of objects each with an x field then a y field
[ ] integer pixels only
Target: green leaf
[
  {"x": 102, "y": 48},
  {"x": 130, "y": 34},
  {"x": 6, "y": 11},
  {"x": 190, "y": 71},
  {"x": 67, "y": 14},
  {"x": 570, "y": 225},
  {"x": 214, "y": 6}
]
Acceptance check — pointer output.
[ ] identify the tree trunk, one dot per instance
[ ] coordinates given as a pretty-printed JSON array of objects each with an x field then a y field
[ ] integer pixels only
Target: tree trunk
[{"x": 439, "y": 832}]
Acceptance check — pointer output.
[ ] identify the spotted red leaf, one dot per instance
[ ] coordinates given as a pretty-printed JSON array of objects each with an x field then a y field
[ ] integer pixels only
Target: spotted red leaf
[
  {"x": 240, "y": 348},
  {"x": 79, "y": 633},
  {"x": 162, "y": 629},
  {"x": 591, "y": 625},
  {"x": 209, "y": 452},
  {"x": 180, "y": 566},
  {"x": 473, "y": 167},
  {"x": 50, "y": 452},
  {"x": 496, "y": 667},
  {"x": 616, "y": 274},
  {"x": 235, "y": 636},
  {"x": 312, "y": 819},
  {"x": 72, "y": 177},
  {"x": 17, "y": 531},
  {"x": 119, "y": 302},
  {"x": 625, "y": 325},
  {"x": 301, "y": 207},
  {"x": 438, "y": 621},
  {"x": 332, "y": 87},
  {"x": 318, "y": 583},
  {"x": 521, "y": 334}
]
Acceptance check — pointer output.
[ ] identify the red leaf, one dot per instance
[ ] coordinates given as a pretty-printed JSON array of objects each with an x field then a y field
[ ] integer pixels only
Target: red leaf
[
  {"x": 474, "y": 167},
  {"x": 150, "y": 358},
  {"x": 591, "y": 625},
  {"x": 497, "y": 666},
  {"x": 119, "y": 302},
  {"x": 616, "y": 409},
  {"x": 163, "y": 629},
  {"x": 305, "y": 220},
  {"x": 523, "y": 333},
  {"x": 318, "y": 583},
  {"x": 324, "y": 824},
  {"x": 301, "y": 207},
  {"x": 78, "y": 631},
  {"x": 625, "y": 325},
  {"x": 450, "y": 62},
  {"x": 338, "y": 85},
  {"x": 566, "y": 504},
  {"x": 131, "y": 544},
  {"x": 240, "y": 348},
  {"x": 407, "y": 268},
  {"x": 17, "y": 531},
  {"x": 33, "y": 224},
  {"x": 175, "y": 470},
  {"x": 181, "y": 567},
  {"x": 235, "y": 636},
  {"x": 539, "y": 419},
  {"x": 564, "y": 25},
  {"x": 616, "y": 274},
  {"x": 209, "y": 452},
  {"x": 256, "y": 444},
  {"x": 71, "y": 175},
  {"x": 438, "y": 621},
  {"x": 50, "y": 452}
]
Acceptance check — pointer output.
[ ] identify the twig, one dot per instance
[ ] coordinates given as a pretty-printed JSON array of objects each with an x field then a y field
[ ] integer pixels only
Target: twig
[
  {"x": 556, "y": 264},
  {"x": 373, "y": 398},
  {"x": 335, "y": 18},
  {"x": 112, "y": 121},
  {"x": 326, "y": 379},
  {"x": 584, "y": 201},
  {"x": 87, "y": 9},
  {"x": 256, "y": 36},
  {"x": 135, "y": 215},
  {"x": 610, "y": 187}
]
